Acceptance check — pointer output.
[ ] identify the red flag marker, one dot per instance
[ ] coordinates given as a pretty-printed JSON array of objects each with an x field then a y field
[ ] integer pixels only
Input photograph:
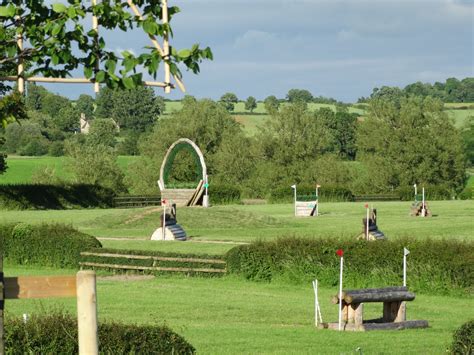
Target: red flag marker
[
  {"x": 366, "y": 205},
  {"x": 163, "y": 202},
  {"x": 340, "y": 252}
]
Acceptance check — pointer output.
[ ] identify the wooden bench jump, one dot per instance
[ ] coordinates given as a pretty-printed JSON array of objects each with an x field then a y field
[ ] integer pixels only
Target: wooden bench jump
[{"x": 394, "y": 310}]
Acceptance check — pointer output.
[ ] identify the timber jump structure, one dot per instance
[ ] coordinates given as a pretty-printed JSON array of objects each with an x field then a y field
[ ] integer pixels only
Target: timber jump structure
[
  {"x": 184, "y": 197},
  {"x": 394, "y": 310},
  {"x": 370, "y": 230},
  {"x": 306, "y": 205}
]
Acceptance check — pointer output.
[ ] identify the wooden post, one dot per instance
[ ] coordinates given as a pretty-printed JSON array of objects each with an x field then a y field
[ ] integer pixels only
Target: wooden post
[
  {"x": 21, "y": 79},
  {"x": 87, "y": 312},
  {"x": 2, "y": 339},
  {"x": 95, "y": 28},
  {"x": 358, "y": 313},
  {"x": 391, "y": 311},
  {"x": 166, "y": 45}
]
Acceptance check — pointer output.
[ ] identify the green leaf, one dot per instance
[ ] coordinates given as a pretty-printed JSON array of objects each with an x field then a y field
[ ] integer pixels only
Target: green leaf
[
  {"x": 55, "y": 59},
  {"x": 71, "y": 12},
  {"x": 56, "y": 30},
  {"x": 110, "y": 65},
  {"x": 184, "y": 53},
  {"x": 100, "y": 76},
  {"x": 59, "y": 8},
  {"x": 7, "y": 11},
  {"x": 128, "y": 83},
  {"x": 87, "y": 72}
]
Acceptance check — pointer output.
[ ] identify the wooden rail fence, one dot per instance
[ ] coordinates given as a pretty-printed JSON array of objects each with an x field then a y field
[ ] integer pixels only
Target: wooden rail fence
[
  {"x": 154, "y": 266},
  {"x": 136, "y": 201}
]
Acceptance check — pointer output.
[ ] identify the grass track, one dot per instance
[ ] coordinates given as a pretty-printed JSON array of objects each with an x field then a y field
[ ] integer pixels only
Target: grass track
[{"x": 232, "y": 316}]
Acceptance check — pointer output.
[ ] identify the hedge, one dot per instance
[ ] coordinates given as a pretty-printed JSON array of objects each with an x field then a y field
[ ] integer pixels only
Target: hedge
[
  {"x": 39, "y": 196},
  {"x": 327, "y": 193},
  {"x": 55, "y": 245},
  {"x": 223, "y": 193},
  {"x": 463, "y": 339},
  {"x": 432, "y": 192},
  {"x": 56, "y": 333},
  {"x": 434, "y": 266}
]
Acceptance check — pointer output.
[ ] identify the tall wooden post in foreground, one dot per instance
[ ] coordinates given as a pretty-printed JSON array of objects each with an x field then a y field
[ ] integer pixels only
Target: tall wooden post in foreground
[{"x": 87, "y": 312}]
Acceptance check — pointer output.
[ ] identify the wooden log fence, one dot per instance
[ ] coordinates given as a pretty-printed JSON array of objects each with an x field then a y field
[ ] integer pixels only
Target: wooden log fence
[
  {"x": 136, "y": 201},
  {"x": 366, "y": 198},
  {"x": 154, "y": 259}
]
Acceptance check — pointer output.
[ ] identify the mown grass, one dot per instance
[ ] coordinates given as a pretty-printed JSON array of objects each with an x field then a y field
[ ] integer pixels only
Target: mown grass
[
  {"x": 21, "y": 169},
  {"x": 247, "y": 223},
  {"x": 232, "y": 316}
]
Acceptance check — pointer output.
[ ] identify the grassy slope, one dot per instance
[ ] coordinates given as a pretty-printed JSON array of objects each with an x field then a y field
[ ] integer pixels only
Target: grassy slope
[
  {"x": 21, "y": 169},
  {"x": 233, "y": 316},
  {"x": 239, "y": 223}
]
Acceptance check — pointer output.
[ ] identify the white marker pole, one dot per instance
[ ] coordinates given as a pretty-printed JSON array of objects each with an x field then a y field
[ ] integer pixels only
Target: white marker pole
[
  {"x": 415, "y": 190},
  {"x": 340, "y": 293},
  {"x": 317, "y": 309},
  {"x": 405, "y": 253},
  {"x": 164, "y": 218},
  {"x": 317, "y": 201},
  {"x": 367, "y": 223},
  {"x": 294, "y": 190},
  {"x": 423, "y": 209}
]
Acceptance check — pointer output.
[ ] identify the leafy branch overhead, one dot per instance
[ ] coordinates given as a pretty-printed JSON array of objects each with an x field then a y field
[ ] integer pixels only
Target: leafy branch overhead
[{"x": 60, "y": 39}]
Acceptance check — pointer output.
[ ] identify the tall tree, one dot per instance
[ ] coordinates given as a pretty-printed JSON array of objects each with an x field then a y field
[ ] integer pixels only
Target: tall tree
[
  {"x": 251, "y": 104},
  {"x": 228, "y": 100},
  {"x": 85, "y": 105},
  {"x": 413, "y": 142},
  {"x": 299, "y": 95},
  {"x": 271, "y": 104}
]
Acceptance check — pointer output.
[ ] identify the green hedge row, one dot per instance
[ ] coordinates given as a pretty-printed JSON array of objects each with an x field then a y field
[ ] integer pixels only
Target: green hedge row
[
  {"x": 38, "y": 196},
  {"x": 223, "y": 194},
  {"x": 151, "y": 262},
  {"x": 54, "y": 245},
  {"x": 56, "y": 333},
  {"x": 463, "y": 339},
  {"x": 434, "y": 266}
]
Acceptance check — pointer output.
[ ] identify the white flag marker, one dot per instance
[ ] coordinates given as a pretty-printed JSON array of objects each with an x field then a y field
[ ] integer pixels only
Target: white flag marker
[
  {"x": 405, "y": 253},
  {"x": 340, "y": 252},
  {"x": 294, "y": 190}
]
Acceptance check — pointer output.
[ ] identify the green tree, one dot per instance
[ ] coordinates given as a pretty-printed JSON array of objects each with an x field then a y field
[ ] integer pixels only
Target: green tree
[
  {"x": 53, "y": 103},
  {"x": 67, "y": 118},
  {"x": 35, "y": 95},
  {"x": 228, "y": 100},
  {"x": 299, "y": 95},
  {"x": 204, "y": 122},
  {"x": 271, "y": 104},
  {"x": 85, "y": 105},
  {"x": 135, "y": 109},
  {"x": 251, "y": 104},
  {"x": 102, "y": 131},
  {"x": 413, "y": 142},
  {"x": 96, "y": 165},
  {"x": 468, "y": 138}
]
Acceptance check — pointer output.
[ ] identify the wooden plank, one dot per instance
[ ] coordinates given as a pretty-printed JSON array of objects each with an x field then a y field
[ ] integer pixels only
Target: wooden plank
[
  {"x": 39, "y": 286},
  {"x": 158, "y": 258},
  {"x": 153, "y": 268},
  {"x": 410, "y": 324},
  {"x": 392, "y": 296}
]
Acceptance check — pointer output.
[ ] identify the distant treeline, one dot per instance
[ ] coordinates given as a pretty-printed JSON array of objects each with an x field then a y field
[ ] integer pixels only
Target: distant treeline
[{"x": 453, "y": 90}]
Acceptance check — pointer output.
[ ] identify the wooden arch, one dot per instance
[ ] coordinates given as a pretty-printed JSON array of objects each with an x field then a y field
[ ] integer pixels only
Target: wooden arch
[{"x": 183, "y": 197}]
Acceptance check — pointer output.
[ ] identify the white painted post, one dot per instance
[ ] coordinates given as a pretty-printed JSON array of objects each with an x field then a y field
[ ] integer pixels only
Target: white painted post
[
  {"x": 415, "y": 190},
  {"x": 87, "y": 312},
  {"x": 95, "y": 28},
  {"x": 367, "y": 222},
  {"x": 164, "y": 218},
  {"x": 294, "y": 190},
  {"x": 423, "y": 209},
  {"x": 317, "y": 199},
  {"x": 205, "y": 200},
  {"x": 340, "y": 291},
  {"x": 317, "y": 309},
  {"x": 405, "y": 253}
]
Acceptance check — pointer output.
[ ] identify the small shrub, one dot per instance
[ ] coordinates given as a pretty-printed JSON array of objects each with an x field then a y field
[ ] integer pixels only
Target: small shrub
[
  {"x": 35, "y": 147},
  {"x": 56, "y": 149},
  {"x": 463, "y": 339},
  {"x": 467, "y": 193},
  {"x": 54, "y": 245},
  {"x": 224, "y": 193},
  {"x": 56, "y": 333}
]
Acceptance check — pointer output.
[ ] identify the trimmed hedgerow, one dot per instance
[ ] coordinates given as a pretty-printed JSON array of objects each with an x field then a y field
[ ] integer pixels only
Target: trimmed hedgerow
[
  {"x": 434, "y": 266},
  {"x": 54, "y": 245},
  {"x": 223, "y": 194},
  {"x": 38, "y": 196},
  {"x": 433, "y": 192},
  {"x": 463, "y": 339},
  {"x": 156, "y": 263},
  {"x": 285, "y": 194},
  {"x": 56, "y": 333}
]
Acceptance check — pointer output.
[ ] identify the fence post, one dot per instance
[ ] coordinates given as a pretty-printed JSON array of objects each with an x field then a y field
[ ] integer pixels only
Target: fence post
[
  {"x": 87, "y": 312},
  {"x": 2, "y": 338}
]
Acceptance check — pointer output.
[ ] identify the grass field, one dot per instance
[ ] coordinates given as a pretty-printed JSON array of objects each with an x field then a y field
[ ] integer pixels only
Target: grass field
[
  {"x": 21, "y": 169},
  {"x": 233, "y": 316}
]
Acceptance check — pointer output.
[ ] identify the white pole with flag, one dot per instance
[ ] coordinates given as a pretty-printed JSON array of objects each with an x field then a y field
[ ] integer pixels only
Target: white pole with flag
[
  {"x": 340, "y": 252},
  {"x": 414, "y": 185},
  {"x": 294, "y": 194},
  {"x": 405, "y": 253},
  {"x": 423, "y": 209},
  {"x": 164, "y": 218}
]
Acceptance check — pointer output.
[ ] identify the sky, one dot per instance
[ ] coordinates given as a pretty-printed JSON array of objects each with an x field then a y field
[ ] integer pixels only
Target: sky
[{"x": 334, "y": 48}]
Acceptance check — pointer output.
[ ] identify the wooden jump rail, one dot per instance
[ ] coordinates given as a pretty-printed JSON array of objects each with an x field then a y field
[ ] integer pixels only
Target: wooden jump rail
[
  {"x": 136, "y": 201},
  {"x": 394, "y": 310},
  {"x": 376, "y": 198},
  {"x": 154, "y": 259}
]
